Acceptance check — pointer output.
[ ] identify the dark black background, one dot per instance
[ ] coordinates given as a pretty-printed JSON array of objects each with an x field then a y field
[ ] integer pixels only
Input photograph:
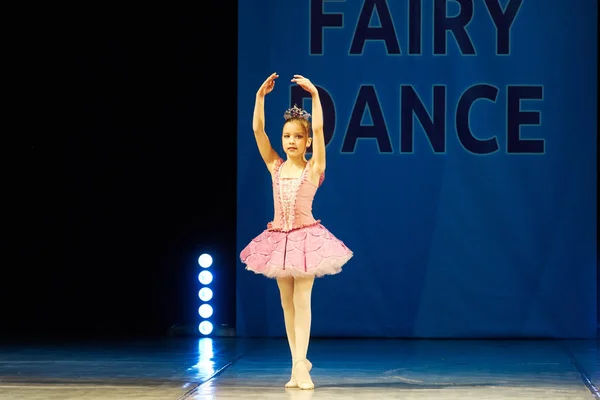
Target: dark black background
[{"x": 128, "y": 172}]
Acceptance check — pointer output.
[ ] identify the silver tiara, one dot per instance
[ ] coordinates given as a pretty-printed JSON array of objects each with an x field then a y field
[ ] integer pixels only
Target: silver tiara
[{"x": 296, "y": 112}]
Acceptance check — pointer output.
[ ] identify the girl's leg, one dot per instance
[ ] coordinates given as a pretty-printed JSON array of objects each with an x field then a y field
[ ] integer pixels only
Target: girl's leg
[
  {"x": 286, "y": 292},
  {"x": 302, "y": 309}
]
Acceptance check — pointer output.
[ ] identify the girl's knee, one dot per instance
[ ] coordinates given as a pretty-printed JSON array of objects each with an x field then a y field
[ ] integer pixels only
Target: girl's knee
[
  {"x": 301, "y": 300},
  {"x": 287, "y": 301}
]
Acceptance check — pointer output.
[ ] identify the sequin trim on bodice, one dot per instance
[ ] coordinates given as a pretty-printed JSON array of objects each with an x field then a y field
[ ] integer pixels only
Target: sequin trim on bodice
[{"x": 288, "y": 190}]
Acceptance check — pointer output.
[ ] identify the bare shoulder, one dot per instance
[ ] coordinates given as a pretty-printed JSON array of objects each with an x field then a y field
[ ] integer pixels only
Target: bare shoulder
[{"x": 273, "y": 165}]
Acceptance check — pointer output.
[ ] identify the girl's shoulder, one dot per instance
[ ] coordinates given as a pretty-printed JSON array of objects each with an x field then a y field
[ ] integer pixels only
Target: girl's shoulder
[{"x": 275, "y": 167}]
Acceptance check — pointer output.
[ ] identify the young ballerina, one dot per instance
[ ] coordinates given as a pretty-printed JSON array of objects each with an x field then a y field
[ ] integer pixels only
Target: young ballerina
[{"x": 295, "y": 248}]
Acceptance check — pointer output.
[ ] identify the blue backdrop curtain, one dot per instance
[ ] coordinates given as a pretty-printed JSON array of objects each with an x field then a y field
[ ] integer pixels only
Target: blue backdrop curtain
[{"x": 461, "y": 148}]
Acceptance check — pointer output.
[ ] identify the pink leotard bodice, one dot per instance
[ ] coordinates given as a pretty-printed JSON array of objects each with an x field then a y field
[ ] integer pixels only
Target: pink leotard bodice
[{"x": 292, "y": 199}]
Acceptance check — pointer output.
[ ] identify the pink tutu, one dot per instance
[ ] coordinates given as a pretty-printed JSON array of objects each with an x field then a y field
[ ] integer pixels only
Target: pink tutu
[
  {"x": 304, "y": 247},
  {"x": 307, "y": 251}
]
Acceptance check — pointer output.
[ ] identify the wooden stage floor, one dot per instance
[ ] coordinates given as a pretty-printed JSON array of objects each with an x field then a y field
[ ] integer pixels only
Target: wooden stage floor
[{"x": 235, "y": 368}]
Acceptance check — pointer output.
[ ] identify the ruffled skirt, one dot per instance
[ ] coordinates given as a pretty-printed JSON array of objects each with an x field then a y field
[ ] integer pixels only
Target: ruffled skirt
[{"x": 309, "y": 251}]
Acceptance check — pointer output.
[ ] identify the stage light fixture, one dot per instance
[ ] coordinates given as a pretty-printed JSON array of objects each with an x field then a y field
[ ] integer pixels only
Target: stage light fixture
[
  {"x": 205, "y": 260},
  {"x": 205, "y": 277},
  {"x": 205, "y": 294},
  {"x": 205, "y": 311},
  {"x": 205, "y": 328}
]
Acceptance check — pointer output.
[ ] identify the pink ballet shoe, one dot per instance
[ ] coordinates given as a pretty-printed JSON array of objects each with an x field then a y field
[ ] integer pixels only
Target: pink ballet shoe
[
  {"x": 300, "y": 372},
  {"x": 293, "y": 383}
]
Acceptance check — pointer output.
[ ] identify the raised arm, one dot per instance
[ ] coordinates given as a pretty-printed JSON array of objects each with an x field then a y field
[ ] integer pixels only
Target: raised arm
[
  {"x": 318, "y": 141},
  {"x": 268, "y": 154}
]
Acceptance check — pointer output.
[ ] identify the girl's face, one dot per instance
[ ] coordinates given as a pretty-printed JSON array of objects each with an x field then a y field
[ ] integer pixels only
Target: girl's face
[{"x": 295, "y": 139}]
